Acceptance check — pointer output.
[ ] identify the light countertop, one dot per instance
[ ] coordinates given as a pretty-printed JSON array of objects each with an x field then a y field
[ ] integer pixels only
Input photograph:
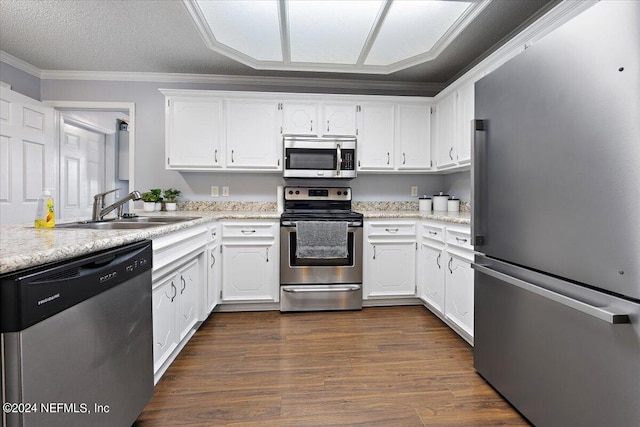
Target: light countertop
[{"x": 22, "y": 246}]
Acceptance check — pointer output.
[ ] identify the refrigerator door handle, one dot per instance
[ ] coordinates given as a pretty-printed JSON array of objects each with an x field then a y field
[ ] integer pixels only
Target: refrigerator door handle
[
  {"x": 597, "y": 312},
  {"x": 478, "y": 156}
]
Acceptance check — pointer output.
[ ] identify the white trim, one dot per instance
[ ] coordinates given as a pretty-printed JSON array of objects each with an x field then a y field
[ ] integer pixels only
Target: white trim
[
  {"x": 107, "y": 106},
  {"x": 20, "y": 64},
  {"x": 4, "y": 85}
]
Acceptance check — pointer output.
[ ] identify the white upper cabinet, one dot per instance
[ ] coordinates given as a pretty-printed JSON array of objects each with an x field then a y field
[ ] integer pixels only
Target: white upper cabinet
[
  {"x": 253, "y": 135},
  {"x": 300, "y": 118},
  {"x": 445, "y": 132},
  {"x": 414, "y": 137},
  {"x": 376, "y": 128},
  {"x": 465, "y": 98},
  {"x": 338, "y": 119},
  {"x": 194, "y": 133}
]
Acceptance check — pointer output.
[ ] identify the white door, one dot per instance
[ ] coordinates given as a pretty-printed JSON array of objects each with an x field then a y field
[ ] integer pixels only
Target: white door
[
  {"x": 248, "y": 272},
  {"x": 338, "y": 119},
  {"x": 466, "y": 113},
  {"x": 300, "y": 118},
  {"x": 391, "y": 269},
  {"x": 82, "y": 170},
  {"x": 432, "y": 264},
  {"x": 188, "y": 286},
  {"x": 376, "y": 129},
  {"x": 459, "y": 294},
  {"x": 414, "y": 137},
  {"x": 446, "y": 112},
  {"x": 27, "y": 155}
]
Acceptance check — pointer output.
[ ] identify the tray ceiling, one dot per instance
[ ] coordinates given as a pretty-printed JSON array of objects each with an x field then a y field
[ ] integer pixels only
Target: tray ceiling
[{"x": 160, "y": 36}]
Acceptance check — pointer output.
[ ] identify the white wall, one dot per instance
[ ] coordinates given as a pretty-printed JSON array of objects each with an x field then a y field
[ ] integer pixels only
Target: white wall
[
  {"x": 459, "y": 185},
  {"x": 20, "y": 81}
]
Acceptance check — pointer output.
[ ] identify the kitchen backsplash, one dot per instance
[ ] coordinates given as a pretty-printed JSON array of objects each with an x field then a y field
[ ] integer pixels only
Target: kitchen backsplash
[{"x": 271, "y": 206}]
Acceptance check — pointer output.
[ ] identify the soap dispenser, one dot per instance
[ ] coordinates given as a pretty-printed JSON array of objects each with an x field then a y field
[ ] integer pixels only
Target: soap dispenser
[{"x": 45, "y": 215}]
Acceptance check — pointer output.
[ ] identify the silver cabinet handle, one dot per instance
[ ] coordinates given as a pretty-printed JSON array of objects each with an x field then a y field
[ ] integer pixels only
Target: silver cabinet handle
[
  {"x": 597, "y": 312},
  {"x": 247, "y": 231},
  {"x": 184, "y": 284},
  {"x": 449, "y": 265},
  {"x": 215, "y": 156},
  {"x": 311, "y": 125},
  {"x": 388, "y": 158},
  {"x": 327, "y": 125},
  {"x": 278, "y": 162},
  {"x": 461, "y": 240},
  {"x": 450, "y": 150},
  {"x": 175, "y": 291},
  {"x": 374, "y": 251},
  {"x": 438, "y": 261},
  {"x": 213, "y": 260},
  {"x": 391, "y": 230},
  {"x": 232, "y": 156},
  {"x": 267, "y": 254},
  {"x": 478, "y": 180},
  {"x": 433, "y": 233},
  {"x": 404, "y": 158}
]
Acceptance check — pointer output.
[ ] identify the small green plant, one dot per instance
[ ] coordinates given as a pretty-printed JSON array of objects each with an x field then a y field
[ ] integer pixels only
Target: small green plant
[
  {"x": 152, "y": 195},
  {"x": 171, "y": 194}
]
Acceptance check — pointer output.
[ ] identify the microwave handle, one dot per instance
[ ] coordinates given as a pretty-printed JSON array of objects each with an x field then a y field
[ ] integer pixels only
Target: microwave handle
[{"x": 339, "y": 161}]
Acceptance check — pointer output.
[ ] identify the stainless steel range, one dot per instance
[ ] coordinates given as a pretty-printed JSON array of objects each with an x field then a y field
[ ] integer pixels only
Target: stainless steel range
[{"x": 320, "y": 250}]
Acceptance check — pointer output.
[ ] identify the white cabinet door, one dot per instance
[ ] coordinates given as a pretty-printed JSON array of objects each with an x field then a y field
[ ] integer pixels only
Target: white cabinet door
[
  {"x": 249, "y": 272},
  {"x": 188, "y": 283},
  {"x": 414, "y": 137},
  {"x": 338, "y": 119},
  {"x": 465, "y": 110},
  {"x": 300, "y": 118},
  {"x": 376, "y": 128},
  {"x": 253, "y": 135},
  {"x": 431, "y": 264},
  {"x": 213, "y": 276},
  {"x": 194, "y": 133},
  {"x": 445, "y": 120},
  {"x": 390, "y": 269},
  {"x": 165, "y": 337},
  {"x": 459, "y": 294}
]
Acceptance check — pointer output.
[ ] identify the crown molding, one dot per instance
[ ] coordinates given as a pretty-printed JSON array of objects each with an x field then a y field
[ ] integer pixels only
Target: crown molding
[{"x": 20, "y": 64}]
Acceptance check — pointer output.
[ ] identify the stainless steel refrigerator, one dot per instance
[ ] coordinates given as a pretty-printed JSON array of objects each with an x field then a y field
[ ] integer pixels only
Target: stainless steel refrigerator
[{"x": 556, "y": 223}]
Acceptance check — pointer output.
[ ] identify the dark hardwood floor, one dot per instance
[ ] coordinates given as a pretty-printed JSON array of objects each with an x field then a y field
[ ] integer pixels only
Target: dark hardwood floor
[{"x": 388, "y": 366}]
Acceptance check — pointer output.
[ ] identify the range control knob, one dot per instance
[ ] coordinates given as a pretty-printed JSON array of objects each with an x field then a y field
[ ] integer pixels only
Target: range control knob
[
  {"x": 340, "y": 193},
  {"x": 290, "y": 191},
  {"x": 297, "y": 191},
  {"x": 346, "y": 192}
]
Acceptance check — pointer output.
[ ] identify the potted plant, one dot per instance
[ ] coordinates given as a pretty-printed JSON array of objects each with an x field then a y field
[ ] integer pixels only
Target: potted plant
[
  {"x": 149, "y": 200},
  {"x": 170, "y": 196},
  {"x": 158, "y": 194}
]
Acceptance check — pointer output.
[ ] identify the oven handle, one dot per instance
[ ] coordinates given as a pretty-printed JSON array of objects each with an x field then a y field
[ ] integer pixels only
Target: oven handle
[
  {"x": 339, "y": 161},
  {"x": 347, "y": 288},
  {"x": 292, "y": 224}
]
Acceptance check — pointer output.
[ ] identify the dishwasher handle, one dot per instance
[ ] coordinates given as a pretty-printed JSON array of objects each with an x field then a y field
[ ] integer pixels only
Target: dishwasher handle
[{"x": 607, "y": 315}]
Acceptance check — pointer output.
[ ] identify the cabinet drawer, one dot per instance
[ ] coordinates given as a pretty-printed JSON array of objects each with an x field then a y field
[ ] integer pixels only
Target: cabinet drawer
[
  {"x": 459, "y": 237},
  {"x": 250, "y": 230},
  {"x": 433, "y": 232},
  {"x": 392, "y": 229}
]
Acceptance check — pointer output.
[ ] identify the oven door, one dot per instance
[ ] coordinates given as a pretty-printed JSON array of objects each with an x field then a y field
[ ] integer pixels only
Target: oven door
[{"x": 295, "y": 271}]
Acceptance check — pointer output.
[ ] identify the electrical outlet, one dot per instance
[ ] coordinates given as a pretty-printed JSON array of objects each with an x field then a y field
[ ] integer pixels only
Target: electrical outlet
[
  {"x": 214, "y": 191},
  {"x": 414, "y": 190},
  {"x": 225, "y": 191}
]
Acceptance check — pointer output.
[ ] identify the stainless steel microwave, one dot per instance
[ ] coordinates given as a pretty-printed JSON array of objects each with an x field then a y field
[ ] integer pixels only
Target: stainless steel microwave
[{"x": 310, "y": 157}]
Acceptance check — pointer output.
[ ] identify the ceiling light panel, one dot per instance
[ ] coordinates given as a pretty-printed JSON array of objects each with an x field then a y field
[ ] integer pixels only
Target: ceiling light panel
[
  {"x": 247, "y": 26},
  {"x": 332, "y": 32},
  {"x": 413, "y": 28}
]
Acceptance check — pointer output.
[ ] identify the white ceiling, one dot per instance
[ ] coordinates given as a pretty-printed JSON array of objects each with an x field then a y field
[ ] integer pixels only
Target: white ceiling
[{"x": 160, "y": 36}]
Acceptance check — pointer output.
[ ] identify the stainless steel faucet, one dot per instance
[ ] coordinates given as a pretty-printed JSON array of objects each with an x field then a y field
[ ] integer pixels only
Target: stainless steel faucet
[{"x": 100, "y": 210}]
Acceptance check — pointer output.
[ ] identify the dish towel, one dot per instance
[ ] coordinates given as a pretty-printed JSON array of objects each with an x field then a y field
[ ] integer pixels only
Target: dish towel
[{"x": 321, "y": 239}]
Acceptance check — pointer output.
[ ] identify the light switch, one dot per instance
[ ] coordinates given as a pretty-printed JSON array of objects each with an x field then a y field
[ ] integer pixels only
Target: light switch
[
  {"x": 214, "y": 191},
  {"x": 414, "y": 190},
  {"x": 225, "y": 191}
]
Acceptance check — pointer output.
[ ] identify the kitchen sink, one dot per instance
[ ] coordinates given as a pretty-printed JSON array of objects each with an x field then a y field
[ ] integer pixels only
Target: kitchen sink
[{"x": 132, "y": 223}]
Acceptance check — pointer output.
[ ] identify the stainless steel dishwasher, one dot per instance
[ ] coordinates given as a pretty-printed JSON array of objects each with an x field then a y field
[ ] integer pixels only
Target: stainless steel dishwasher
[{"x": 76, "y": 340}]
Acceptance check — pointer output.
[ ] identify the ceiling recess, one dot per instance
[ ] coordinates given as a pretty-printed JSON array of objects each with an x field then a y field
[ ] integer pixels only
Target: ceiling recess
[{"x": 347, "y": 36}]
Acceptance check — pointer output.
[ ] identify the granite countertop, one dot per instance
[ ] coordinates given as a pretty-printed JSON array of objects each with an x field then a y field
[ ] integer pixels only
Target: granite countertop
[
  {"x": 22, "y": 246},
  {"x": 451, "y": 217}
]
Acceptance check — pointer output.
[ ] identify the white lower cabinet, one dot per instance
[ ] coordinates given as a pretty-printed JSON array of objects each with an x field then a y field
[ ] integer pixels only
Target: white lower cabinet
[
  {"x": 250, "y": 267},
  {"x": 213, "y": 261},
  {"x": 445, "y": 275},
  {"x": 390, "y": 259},
  {"x": 178, "y": 293}
]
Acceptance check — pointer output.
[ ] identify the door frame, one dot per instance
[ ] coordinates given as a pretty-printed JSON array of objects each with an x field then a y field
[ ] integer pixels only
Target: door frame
[{"x": 60, "y": 106}]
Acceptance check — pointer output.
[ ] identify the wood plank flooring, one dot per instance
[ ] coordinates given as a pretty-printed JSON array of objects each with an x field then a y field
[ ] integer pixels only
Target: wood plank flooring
[{"x": 383, "y": 366}]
